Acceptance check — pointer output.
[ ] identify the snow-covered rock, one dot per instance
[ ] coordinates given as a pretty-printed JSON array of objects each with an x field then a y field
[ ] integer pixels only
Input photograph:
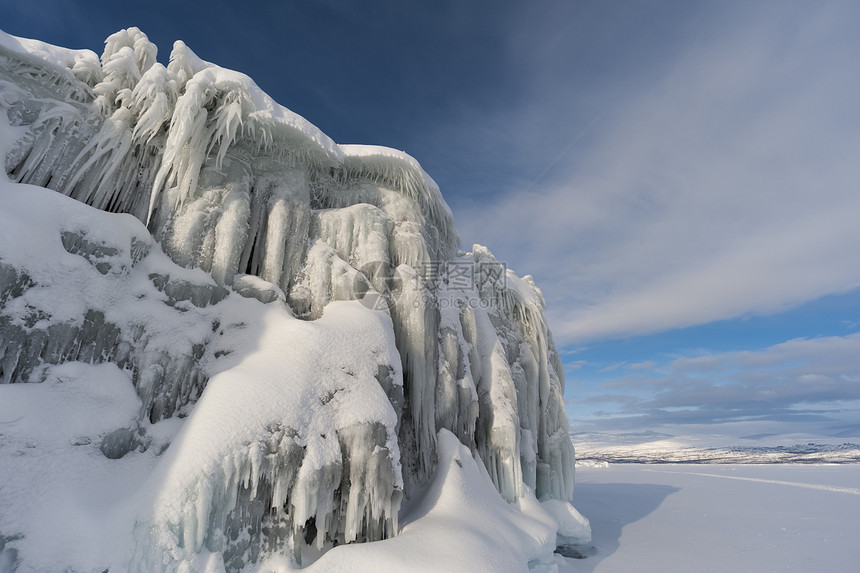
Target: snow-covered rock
[{"x": 282, "y": 328}]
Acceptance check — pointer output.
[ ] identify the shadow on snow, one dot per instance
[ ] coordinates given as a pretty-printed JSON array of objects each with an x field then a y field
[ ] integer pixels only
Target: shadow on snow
[{"x": 609, "y": 507}]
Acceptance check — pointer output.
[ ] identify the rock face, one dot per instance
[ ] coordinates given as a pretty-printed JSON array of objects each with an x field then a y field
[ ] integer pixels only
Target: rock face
[{"x": 269, "y": 227}]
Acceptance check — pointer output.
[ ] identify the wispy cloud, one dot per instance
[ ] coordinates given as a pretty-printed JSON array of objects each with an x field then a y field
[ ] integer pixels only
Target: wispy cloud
[
  {"x": 722, "y": 185},
  {"x": 812, "y": 384}
]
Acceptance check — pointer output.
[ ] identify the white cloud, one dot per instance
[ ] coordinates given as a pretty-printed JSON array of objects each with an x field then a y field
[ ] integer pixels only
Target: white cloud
[
  {"x": 810, "y": 384},
  {"x": 726, "y": 186}
]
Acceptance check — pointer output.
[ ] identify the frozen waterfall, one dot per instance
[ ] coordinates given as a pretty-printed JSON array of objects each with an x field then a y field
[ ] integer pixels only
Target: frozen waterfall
[{"x": 296, "y": 317}]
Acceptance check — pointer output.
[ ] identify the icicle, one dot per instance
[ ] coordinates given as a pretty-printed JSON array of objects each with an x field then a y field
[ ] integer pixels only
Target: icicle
[
  {"x": 121, "y": 74},
  {"x": 228, "y": 116},
  {"x": 185, "y": 149},
  {"x": 184, "y": 63},
  {"x": 100, "y": 159},
  {"x": 152, "y": 101},
  {"x": 136, "y": 40},
  {"x": 87, "y": 69}
]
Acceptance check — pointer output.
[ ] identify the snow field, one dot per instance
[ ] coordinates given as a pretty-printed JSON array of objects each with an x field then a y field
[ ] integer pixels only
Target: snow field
[{"x": 709, "y": 518}]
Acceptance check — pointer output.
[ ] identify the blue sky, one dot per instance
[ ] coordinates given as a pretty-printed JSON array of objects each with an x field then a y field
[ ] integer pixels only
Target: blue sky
[{"x": 681, "y": 178}]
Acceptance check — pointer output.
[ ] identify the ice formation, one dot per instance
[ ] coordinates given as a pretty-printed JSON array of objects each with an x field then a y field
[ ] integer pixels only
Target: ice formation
[{"x": 311, "y": 330}]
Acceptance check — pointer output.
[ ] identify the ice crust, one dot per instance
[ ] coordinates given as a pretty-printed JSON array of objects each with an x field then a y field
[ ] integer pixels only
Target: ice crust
[{"x": 274, "y": 292}]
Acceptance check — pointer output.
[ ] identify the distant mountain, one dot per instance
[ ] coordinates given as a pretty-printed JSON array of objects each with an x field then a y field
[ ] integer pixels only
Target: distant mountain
[{"x": 652, "y": 447}]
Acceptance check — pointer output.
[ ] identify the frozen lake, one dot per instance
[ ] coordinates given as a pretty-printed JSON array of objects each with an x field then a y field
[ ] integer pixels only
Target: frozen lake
[{"x": 720, "y": 517}]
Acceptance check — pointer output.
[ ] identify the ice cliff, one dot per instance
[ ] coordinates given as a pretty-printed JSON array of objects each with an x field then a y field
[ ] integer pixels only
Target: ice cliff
[{"x": 291, "y": 320}]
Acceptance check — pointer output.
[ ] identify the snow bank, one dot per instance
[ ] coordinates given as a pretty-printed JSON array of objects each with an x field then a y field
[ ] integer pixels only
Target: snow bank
[{"x": 460, "y": 523}]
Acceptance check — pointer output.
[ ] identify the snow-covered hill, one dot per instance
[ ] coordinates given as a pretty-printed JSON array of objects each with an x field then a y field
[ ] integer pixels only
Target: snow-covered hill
[
  {"x": 226, "y": 340},
  {"x": 653, "y": 447}
]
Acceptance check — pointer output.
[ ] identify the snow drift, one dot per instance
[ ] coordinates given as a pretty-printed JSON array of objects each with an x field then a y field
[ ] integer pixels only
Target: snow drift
[{"x": 282, "y": 328}]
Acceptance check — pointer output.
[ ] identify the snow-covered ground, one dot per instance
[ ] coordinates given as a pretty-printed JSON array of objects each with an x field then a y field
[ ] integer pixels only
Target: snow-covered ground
[{"x": 720, "y": 517}]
